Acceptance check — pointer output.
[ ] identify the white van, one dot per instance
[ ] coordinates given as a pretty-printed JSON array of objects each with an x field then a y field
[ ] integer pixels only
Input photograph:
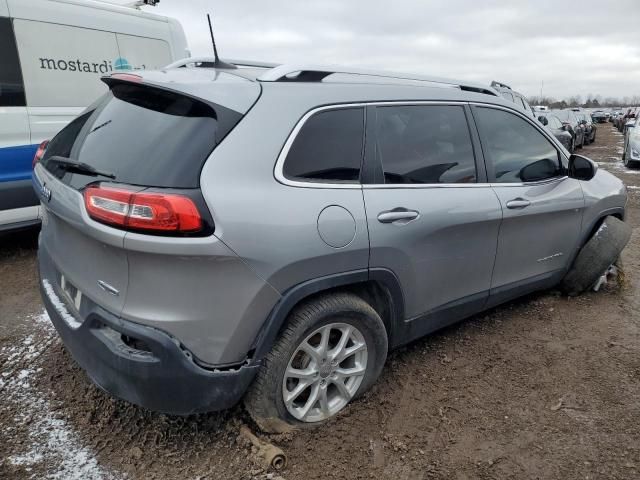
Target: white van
[{"x": 52, "y": 55}]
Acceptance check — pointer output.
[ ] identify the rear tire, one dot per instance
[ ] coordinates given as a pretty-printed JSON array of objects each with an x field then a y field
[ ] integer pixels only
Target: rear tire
[
  {"x": 265, "y": 400},
  {"x": 596, "y": 256}
]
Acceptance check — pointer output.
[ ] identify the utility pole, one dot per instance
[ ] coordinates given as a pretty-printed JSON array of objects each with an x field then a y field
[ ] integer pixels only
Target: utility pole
[{"x": 541, "y": 87}]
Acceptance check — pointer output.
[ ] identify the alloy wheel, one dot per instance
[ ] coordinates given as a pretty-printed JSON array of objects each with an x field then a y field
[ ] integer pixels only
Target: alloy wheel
[{"x": 324, "y": 372}]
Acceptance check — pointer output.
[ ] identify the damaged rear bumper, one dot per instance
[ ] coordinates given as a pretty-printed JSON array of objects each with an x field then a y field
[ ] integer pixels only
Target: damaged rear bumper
[{"x": 140, "y": 364}]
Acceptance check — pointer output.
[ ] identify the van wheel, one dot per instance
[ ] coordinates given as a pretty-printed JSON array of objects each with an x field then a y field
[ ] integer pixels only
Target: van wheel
[
  {"x": 598, "y": 254},
  {"x": 332, "y": 350}
]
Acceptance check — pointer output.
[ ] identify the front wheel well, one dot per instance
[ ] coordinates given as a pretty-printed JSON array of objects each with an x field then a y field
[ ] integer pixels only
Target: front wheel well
[{"x": 598, "y": 223}]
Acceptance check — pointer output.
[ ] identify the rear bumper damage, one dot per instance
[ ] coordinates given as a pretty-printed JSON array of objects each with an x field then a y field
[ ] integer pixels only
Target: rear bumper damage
[{"x": 140, "y": 364}]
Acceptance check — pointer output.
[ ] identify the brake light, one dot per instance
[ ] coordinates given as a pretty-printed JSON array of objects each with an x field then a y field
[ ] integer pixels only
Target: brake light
[
  {"x": 39, "y": 153},
  {"x": 147, "y": 211},
  {"x": 129, "y": 77}
]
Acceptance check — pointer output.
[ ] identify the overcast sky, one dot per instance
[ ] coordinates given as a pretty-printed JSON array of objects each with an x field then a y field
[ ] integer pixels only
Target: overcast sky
[{"x": 577, "y": 47}]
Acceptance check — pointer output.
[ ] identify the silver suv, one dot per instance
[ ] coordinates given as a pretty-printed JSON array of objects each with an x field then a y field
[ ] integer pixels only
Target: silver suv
[{"x": 211, "y": 232}]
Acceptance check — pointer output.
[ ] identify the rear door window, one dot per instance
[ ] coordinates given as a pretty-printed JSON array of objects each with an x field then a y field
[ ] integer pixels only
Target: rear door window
[
  {"x": 143, "y": 136},
  {"x": 518, "y": 152},
  {"x": 328, "y": 148},
  {"x": 11, "y": 85},
  {"x": 424, "y": 144}
]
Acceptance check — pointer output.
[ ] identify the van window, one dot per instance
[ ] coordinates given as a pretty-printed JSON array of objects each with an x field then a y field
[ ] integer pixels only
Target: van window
[
  {"x": 328, "y": 148},
  {"x": 424, "y": 144},
  {"x": 142, "y": 136},
  {"x": 11, "y": 86},
  {"x": 516, "y": 149},
  {"x": 62, "y": 64}
]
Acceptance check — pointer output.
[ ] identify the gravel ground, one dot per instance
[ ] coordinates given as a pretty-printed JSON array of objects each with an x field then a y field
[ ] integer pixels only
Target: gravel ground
[{"x": 544, "y": 387}]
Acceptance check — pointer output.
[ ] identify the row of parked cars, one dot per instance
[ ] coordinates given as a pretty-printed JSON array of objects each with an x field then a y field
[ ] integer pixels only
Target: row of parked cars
[
  {"x": 573, "y": 127},
  {"x": 576, "y": 127}
]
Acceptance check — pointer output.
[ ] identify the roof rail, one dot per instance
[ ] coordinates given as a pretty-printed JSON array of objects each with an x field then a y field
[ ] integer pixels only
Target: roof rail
[
  {"x": 252, "y": 63},
  {"x": 499, "y": 84},
  {"x": 283, "y": 73},
  {"x": 211, "y": 61}
]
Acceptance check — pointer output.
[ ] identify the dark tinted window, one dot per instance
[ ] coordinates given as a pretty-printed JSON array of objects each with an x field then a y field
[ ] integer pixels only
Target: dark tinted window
[
  {"x": 11, "y": 86},
  {"x": 517, "y": 150},
  {"x": 424, "y": 144},
  {"x": 144, "y": 136},
  {"x": 328, "y": 148}
]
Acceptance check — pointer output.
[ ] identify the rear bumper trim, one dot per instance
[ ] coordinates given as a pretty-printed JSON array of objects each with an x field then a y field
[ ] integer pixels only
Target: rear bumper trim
[{"x": 163, "y": 379}]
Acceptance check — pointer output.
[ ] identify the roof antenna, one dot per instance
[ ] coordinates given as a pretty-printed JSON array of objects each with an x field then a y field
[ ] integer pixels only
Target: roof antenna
[{"x": 217, "y": 63}]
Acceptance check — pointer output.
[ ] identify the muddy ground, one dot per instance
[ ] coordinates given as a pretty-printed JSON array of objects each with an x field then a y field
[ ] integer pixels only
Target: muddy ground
[{"x": 545, "y": 387}]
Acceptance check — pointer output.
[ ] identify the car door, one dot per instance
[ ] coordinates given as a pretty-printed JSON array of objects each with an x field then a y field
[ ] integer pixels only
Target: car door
[
  {"x": 431, "y": 222},
  {"x": 542, "y": 207}
]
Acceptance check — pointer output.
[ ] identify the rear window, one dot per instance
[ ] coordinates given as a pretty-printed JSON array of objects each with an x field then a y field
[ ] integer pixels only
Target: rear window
[
  {"x": 142, "y": 136},
  {"x": 328, "y": 148}
]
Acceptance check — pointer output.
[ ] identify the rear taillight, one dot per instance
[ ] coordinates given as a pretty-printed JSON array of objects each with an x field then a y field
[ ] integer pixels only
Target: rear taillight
[
  {"x": 39, "y": 153},
  {"x": 145, "y": 211}
]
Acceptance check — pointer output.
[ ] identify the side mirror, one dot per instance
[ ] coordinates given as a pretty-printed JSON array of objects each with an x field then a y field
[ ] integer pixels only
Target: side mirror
[
  {"x": 540, "y": 170},
  {"x": 566, "y": 127},
  {"x": 581, "y": 168},
  {"x": 543, "y": 120}
]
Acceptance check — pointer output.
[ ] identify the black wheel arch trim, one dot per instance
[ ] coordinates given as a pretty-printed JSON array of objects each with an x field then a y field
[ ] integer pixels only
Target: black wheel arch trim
[
  {"x": 276, "y": 319},
  {"x": 615, "y": 211},
  {"x": 588, "y": 232}
]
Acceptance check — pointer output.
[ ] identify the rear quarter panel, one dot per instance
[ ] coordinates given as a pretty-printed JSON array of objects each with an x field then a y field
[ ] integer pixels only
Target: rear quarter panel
[{"x": 273, "y": 226}]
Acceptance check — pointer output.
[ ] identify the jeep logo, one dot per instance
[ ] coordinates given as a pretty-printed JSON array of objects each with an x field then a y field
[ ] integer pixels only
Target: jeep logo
[{"x": 45, "y": 192}]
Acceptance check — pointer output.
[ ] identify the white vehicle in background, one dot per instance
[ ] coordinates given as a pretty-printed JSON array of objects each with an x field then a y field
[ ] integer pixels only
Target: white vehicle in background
[
  {"x": 540, "y": 108},
  {"x": 631, "y": 150},
  {"x": 52, "y": 55}
]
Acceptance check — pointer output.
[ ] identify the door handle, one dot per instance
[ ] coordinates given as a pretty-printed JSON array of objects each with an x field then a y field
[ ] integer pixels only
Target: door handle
[
  {"x": 518, "y": 203},
  {"x": 397, "y": 215}
]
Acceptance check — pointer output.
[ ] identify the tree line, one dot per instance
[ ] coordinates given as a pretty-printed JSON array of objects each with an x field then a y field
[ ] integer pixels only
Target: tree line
[{"x": 592, "y": 101}]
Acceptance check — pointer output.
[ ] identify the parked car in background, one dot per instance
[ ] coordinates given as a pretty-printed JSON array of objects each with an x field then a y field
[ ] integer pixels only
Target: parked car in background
[
  {"x": 614, "y": 116},
  {"x": 631, "y": 150},
  {"x": 520, "y": 100},
  {"x": 623, "y": 119},
  {"x": 588, "y": 126},
  {"x": 629, "y": 124},
  {"x": 573, "y": 126},
  {"x": 553, "y": 123},
  {"x": 52, "y": 55},
  {"x": 599, "y": 116}
]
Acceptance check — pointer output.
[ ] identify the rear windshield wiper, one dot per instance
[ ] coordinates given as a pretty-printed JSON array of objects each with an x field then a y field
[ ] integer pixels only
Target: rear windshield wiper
[{"x": 78, "y": 167}]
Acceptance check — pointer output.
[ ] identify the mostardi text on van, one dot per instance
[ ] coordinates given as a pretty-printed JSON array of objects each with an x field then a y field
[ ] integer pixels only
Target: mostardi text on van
[{"x": 77, "y": 65}]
